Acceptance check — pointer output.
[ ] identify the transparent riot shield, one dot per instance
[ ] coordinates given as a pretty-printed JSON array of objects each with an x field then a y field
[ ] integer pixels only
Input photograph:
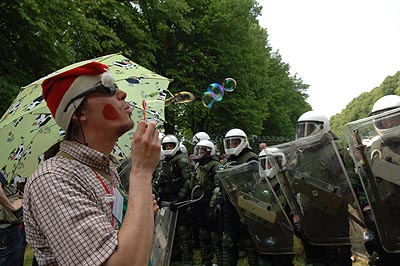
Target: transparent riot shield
[
  {"x": 164, "y": 228},
  {"x": 375, "y": 147},
  {"x": 318, "y": 190},
  {"x": 164, "y": 231},
  {"x": 259, "y": 207}
]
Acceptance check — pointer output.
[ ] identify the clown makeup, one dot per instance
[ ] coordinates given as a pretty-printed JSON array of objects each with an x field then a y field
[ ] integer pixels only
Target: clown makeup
[{"x": 110, "y": 112}]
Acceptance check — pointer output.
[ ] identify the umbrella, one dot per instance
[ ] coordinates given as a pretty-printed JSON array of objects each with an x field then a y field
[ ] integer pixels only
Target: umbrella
[{"x": 27, "y": 128}]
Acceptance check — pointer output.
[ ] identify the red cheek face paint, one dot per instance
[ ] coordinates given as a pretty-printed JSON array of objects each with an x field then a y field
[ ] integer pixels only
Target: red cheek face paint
[{"x": 110, "y": 113}]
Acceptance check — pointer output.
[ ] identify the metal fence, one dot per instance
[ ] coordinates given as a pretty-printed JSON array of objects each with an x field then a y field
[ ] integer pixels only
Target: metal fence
[{"x": 254, "y": 141}]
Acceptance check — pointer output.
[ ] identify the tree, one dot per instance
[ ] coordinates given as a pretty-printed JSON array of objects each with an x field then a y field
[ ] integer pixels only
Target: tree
[
  {"x": 360, "y": 107},
  {"x": 193, "y": 42}
]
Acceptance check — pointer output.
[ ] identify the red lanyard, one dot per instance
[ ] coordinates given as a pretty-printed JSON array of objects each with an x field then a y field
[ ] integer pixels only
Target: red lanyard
[
  {"x": 108, "y": 192},
  {"x": 102, "y": 183}
]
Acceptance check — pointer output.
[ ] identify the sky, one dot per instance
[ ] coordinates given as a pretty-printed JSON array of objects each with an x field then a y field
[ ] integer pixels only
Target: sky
[{"x": 341, "y": 48}]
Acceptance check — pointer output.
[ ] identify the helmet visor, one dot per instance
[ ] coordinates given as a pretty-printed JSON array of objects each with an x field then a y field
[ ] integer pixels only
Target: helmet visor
[
  {"x": 201, "y": 152},
  {"x": 263, "y": 162},
  {"x": 168, "y": 146},
  {"x": 232, "y": 142},
  {"x": 305, "y": 129},
  {"x": 387, "y": 122}
]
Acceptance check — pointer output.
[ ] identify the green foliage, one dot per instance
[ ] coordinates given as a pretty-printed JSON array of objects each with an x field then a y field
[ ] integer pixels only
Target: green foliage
[
  {"x": 193, "y": 42},
  {"x": 361, "y": 106}
]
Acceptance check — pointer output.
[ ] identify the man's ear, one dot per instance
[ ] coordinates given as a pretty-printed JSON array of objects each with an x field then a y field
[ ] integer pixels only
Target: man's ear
[{"x": 81, "y": 116}]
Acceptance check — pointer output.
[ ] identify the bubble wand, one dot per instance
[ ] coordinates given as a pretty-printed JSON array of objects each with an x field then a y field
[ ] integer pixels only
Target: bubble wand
[{"x": 144, "y": 105}]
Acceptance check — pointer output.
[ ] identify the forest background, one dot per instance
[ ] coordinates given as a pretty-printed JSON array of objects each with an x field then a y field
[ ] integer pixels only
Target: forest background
[{"x": 194, "y": 43}]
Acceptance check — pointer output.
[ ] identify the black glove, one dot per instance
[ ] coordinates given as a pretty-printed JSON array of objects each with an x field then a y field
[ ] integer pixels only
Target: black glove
[
  {"x": 298, "y": 230},
  {"x": 218, "y": 209},
  {"x": 371, "y": 242},
  {"x": 369, "y": 219},
  {"x": 173, "y": 205}
]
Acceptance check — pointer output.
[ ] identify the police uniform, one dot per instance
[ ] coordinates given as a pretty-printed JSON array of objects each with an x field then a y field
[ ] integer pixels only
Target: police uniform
[
  {"x": 204, "y": 211},
  {"x": 332, "y": 223},
  {"x": 173, "y": 185},
  {"x": 234, "y": 231},
  {"x": 389, "y": 151}
]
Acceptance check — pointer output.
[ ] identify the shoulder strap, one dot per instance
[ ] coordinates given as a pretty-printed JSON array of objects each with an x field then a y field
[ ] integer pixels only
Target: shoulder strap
[
  {"x": 101, "y": 172},
  {"x": 211, "y": 165}
]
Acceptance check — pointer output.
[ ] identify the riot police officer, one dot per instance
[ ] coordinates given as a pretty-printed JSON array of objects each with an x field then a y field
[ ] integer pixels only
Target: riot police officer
[
  {"x": 381, "y": 213},
  {"x": 237, "y": 148},
  {"x": 173, "y": 185},
  {"x": 199, "y": 136},
  {"x": 271, "y": 173},
  {"x": 312, "y": 123},
  {"x": 204, "y": 212}
]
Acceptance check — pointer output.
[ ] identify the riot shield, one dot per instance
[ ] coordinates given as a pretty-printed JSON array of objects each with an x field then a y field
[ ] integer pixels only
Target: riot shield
[
  {"x": 164, "y": 228},
  {"x": 164, "y": 231},
  {"x": 318, "y": 190},
  {"x": 259, "y": 207},
  {"x": 375, "y": 147}
]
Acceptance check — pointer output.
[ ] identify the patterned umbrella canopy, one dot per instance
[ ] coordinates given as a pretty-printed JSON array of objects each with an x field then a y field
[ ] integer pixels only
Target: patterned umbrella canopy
[{"x": 27, "y": 128}]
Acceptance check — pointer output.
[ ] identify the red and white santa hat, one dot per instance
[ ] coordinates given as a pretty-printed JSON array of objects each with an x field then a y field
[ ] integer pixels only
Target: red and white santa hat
[{"x": 58, "y": 90}]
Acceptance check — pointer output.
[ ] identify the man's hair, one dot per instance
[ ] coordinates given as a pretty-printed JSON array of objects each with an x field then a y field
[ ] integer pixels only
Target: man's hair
[
  {"x": 75, "y": 126},
  {"x": 72, "y": 133}
]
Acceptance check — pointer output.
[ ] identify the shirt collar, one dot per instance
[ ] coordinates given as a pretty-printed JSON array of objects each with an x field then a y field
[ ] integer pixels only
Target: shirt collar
[{"x": 89, "y": 156}]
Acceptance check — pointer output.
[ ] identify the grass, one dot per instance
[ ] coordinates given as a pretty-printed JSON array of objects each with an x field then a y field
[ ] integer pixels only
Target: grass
[
  {"x": 28, "y": 256},
  {"x": 298, "y": 260}
]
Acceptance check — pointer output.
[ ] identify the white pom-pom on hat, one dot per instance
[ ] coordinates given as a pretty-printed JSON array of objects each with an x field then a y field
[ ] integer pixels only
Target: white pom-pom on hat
[{"x": 107, "y": 80}]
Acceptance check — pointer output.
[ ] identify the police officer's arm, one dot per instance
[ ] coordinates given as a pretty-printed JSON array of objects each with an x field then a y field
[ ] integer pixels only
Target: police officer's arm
[
  {"x": 217, "y": 182},
  {"x": 186, "y": 172},
  {"x": 216, "y": 197},
  {"x": 354, "y": 178},
  {"x": 16, "y": 205}
]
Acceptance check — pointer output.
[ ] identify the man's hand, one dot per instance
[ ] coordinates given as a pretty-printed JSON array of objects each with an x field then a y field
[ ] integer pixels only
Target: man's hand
[
  {"x": 146, "y": 147},
  {"x": 17, "y": 205},
  {"x": 155, "y": 205}
]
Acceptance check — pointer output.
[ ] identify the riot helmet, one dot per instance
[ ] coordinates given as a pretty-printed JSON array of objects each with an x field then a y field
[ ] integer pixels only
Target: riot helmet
[
  {"x": 235, "y": 141},
  {"x": 385, "y": 103},
  {"x": 182, "y": 148},
  {"x": 204, "y": 149},
  {"x": 312, "y": 123},
  {"x": 387, "y": 126},
  {"x": 267, "y": 162},
  {"x": 263, "y": 158},
  {"x": 200, "y": 136},
  {"x": 169, "y": 145}
]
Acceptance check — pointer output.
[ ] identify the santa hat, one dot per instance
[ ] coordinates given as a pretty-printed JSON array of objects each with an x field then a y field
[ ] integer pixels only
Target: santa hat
[{"x": 58, "y": 90}]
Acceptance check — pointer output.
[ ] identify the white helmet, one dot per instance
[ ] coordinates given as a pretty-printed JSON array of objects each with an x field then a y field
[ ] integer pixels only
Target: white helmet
[
  {"x": 201, "y": 146},
  {"x": 385, "y": 103},
  {"x": 238, "y": 138},
  {"x": 182, "y": 148},
  {"x": 200, "y": 136},
  {"x": 270, "y": 168},
  {"x": 386, "y": 125},
  {"x": 263, "y": 158},
  {"x": 311, "y": 123},
  {"x": 170, "y": 139}
]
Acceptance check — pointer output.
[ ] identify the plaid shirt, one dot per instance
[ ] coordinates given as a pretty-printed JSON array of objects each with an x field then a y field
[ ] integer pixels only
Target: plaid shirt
[{"x": 68, "y": 221}]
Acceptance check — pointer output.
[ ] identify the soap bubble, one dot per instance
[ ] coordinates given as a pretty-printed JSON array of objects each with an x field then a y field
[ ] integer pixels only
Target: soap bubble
[
  {"x": 229, "y": 84},
  {"x": 218, "y": 91},
  {"x": 208, "y": 99}
]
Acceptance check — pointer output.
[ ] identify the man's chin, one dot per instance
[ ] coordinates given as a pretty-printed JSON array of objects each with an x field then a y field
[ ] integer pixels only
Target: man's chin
[{"x": 125, "y": 128}]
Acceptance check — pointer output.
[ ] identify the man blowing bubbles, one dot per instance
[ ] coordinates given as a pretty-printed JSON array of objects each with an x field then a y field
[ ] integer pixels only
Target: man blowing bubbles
[{"x": 69, "y": 202}]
